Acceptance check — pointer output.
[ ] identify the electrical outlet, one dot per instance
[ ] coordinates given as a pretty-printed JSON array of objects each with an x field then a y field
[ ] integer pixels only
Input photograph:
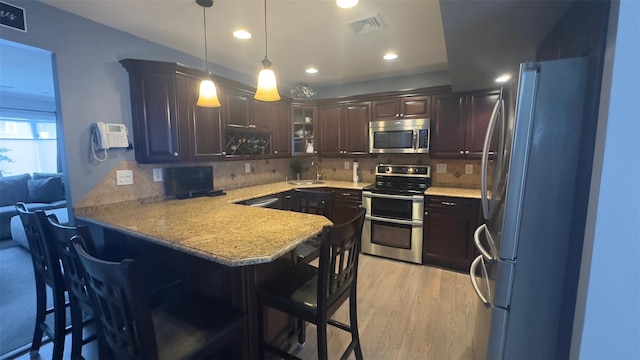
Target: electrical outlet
[
  {"x": 157, "y": 174},
  {"x": 441, "y": 168},
  {"x": 346, "y": 165},
  {"x": 468, "y": 169},
  {"x": 124, "y": 177},
  {"x": 247, "y": 167}
]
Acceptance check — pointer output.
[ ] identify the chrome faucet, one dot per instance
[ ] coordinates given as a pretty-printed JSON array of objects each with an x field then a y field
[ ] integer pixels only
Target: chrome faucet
[{"x": 318, "y": 175}]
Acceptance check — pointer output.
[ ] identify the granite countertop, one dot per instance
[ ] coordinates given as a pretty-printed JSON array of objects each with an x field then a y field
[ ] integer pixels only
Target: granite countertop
[
  {"x": 455, "y": 192},
  {"x": 215, "y": 228}
]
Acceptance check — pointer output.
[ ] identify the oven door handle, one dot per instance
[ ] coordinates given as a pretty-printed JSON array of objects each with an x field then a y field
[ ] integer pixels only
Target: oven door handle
[
  {"x": 394, "y": 221},
  {"x": 414, "y": 198}
]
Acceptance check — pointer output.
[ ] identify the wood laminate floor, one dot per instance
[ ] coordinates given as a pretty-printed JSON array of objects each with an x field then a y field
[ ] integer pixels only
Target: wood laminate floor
[{"x": 405, "y": 311}]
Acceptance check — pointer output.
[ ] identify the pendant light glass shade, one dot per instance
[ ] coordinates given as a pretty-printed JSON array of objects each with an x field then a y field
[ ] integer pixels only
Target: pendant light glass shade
[
  {"x": 208, "y": 95},
  {"x": 267, "y": 89}
]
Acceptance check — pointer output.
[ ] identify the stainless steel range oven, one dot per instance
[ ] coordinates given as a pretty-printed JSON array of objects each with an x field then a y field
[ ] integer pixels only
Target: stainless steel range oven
[{"x": 395, "y": 212}]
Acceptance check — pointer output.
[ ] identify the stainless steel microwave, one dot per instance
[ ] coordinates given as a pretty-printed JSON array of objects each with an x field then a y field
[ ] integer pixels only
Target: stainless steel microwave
[{"x": 399, "y": 136}]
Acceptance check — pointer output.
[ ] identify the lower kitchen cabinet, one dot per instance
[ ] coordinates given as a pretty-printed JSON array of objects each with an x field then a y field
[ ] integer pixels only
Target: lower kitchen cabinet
[
  {"x": 345, "y": 205},
  {"x": 448, "y": 231}
]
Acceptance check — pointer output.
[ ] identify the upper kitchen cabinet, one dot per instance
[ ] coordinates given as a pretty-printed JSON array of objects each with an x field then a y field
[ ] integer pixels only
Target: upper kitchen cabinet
[
  {"x": 274, "y": 116},
  {"x": 237, "y": 109},
  {"x": 459, "y": 123},
  {"x": 344, "y": 128},
  {"x": 304, "y": 119},
  {"x": 167, "y": 125},
  {"x": 410, "y": 107}
]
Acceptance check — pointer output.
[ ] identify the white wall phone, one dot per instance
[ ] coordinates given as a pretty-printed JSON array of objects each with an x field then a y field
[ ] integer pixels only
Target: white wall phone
[{"x": 106, "y": 136}]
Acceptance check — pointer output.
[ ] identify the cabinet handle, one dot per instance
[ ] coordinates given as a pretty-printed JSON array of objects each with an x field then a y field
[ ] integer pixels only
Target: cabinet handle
[
  {"x": 175, "y": 153},
  {"x": 448, "y": 203},
  {"x": 346, "y": 194}
]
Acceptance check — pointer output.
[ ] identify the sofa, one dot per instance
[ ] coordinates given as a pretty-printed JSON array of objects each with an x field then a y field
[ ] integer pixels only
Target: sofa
[{"x": 40, "y": 191}]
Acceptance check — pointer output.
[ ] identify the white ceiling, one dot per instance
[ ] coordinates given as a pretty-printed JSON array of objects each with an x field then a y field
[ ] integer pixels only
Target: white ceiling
[
  {"x": 301, "y": 33},
  {"x": 482, "y": 37}
]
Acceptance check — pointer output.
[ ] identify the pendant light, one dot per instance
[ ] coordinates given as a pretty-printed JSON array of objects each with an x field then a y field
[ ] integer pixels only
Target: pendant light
[
  {"x": 208, "y": 95},
  {"x": 267, "y": 87}
]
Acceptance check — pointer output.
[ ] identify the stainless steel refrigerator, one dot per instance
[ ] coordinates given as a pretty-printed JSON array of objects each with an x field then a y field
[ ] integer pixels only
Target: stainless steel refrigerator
[{"x": 528, "y": 193}]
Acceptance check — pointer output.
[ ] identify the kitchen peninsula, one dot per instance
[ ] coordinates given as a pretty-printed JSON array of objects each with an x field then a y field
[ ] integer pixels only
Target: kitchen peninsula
[{"x": 225, "y": 248}]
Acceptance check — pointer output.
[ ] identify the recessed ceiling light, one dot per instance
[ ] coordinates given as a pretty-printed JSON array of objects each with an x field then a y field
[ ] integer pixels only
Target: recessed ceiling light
[
  {"x": 242, "y": 34},
  {"x": 503, "y": 78},
  {"x": 311, "y": 70},
  {"x": 390, "y": 56},
  {"x": 346, "y": 4}
]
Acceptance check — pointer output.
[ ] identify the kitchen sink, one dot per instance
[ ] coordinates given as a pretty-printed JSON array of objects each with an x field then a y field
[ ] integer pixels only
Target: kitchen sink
[{"x": 305, "y": 182}]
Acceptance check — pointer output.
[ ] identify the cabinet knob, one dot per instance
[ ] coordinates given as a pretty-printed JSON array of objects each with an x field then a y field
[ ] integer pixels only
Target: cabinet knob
[
  {"x": 461, "y": 152},
  {"x": 397, "y": 115},
  {"x": 401, "y": 115},
  {"x": 275, "y": 151},
  {"x": 175, "y": 153},
  {"x": 224, "y": 153},
  {"x": 315, "y": 151},
  {"x": 467, "y": 152}
]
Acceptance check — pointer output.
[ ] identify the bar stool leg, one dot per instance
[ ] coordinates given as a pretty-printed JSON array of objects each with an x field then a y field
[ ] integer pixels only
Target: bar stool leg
[
  {"x": 59, "y": 313},
  {"x": 353, "y": 319},
  {"x": 76, "y": 329},
  {"x": 41, "y": 312},
  {"x": 322, "y": 340},
  {"x": 302, "y": 333}
]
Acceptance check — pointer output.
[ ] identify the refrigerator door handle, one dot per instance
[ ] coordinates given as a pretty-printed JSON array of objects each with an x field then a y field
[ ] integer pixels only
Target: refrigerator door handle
[
  {"x": 476, "y": 237},
  {"x": 485, "y": 156},
  {"x": 474, "y": 282}
]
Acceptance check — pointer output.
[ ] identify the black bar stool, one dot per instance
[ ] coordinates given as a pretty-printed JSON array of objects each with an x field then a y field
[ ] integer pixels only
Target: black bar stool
[
  {"x": 192, "y": 326},
  {"x": 315, "y": 294},
  {"x": 48, "y": 272}
]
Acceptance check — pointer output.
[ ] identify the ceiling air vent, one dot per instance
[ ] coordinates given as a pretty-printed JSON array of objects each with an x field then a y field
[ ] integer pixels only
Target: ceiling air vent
[{"x": 369, "y": 24}]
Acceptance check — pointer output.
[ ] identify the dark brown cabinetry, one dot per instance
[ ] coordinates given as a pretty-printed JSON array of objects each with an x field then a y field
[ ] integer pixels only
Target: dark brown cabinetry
[
  {"x": 459, "y": 123},
  {"x": 281, "y": 130},
  {"x": 345, "y": 204},
  {"x": 304, "y": 119},
  {"x": 448, "y": 231},
  {"x": 167, "y": 125},
  {"x": 237, "y": 109},
  {"x": 344, "y": 128},
  {"x": 410, "y": 107}
]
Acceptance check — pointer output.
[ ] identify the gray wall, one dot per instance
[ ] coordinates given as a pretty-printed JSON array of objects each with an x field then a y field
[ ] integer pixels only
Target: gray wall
[
  {"x": 608, "y": 307},
  {"x": 91, "y": 84}
]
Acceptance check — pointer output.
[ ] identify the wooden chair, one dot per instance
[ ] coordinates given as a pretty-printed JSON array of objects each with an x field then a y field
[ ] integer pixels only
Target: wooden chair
[
  {"x": 192, "y": 326},
  {"x": 74, "y": 278},
  {"x": 311, "y": 202},
  {"x": 314, "y": 294},
  {"x": 48, "y": 272}
]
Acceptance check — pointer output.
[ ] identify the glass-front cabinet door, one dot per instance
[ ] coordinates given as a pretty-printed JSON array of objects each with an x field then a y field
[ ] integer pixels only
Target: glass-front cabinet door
[{"x": 304, "y": 127}]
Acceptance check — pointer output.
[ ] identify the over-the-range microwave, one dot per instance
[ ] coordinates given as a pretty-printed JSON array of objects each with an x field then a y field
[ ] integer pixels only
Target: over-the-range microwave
[{"x": 399, "y": 136}]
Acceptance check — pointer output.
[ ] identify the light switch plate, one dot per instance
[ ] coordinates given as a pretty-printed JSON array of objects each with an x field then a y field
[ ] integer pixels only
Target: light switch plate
[
  {"x": 157, "y": 174},
  {"x": 468, "y": 169},
  {"x": 346, "y": 165},
  {"x": 247, "y": 167},
  {"x": 124, "y": 177},
  {"x": 441, "y": 168}
]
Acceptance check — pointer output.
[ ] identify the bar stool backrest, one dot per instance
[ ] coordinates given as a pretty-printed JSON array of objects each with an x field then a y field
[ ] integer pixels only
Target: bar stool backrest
[
  {"x": 338, "y": 267},
  {"x": 43, "y": 252},
  {"x": 312, "y": 201},
  {"x": 124, "y": 316}
]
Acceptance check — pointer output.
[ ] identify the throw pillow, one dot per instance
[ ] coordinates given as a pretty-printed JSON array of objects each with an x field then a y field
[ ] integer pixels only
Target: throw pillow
[
  {"x": 14, "y": 189},
  {"x": 46, "y": 190}
]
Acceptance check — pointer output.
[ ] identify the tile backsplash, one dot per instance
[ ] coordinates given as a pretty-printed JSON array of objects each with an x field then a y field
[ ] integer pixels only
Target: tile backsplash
[{"x": 232, "y": 174}]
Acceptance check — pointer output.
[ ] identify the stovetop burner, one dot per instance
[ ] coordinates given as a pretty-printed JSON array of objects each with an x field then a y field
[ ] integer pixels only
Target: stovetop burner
[{"x": 401, "y": 179}]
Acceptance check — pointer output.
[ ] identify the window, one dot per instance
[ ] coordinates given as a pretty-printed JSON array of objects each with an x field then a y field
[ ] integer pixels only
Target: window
[{"x": 28, "y": 142}]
